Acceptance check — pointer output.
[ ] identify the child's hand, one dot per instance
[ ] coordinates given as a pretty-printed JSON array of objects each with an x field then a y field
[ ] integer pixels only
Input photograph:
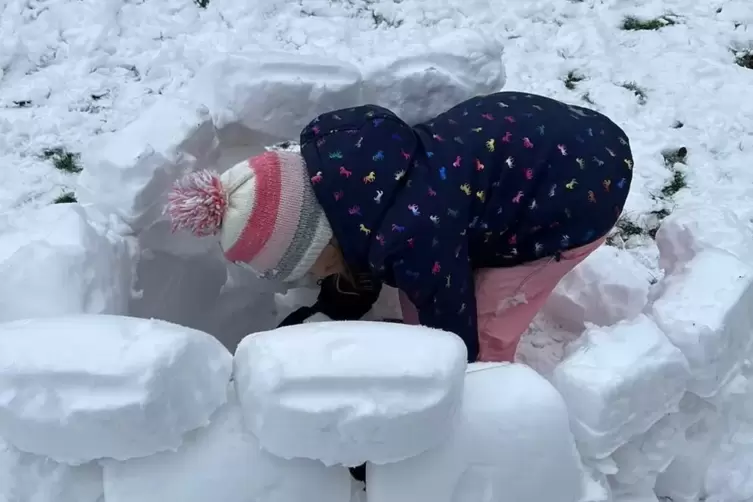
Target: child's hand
[{"x": 342, "y": 301}]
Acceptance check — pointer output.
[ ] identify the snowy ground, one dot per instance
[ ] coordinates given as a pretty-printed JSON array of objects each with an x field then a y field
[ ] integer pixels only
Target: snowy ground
[{"x": 676, "y": 79}]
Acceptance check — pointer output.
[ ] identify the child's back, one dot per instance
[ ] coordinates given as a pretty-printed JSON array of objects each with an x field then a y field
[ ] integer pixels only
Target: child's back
[
  {"x": 502, "y": 174},
  {"x": 496, "y": 181},
  {"x": 518, "y": 166}
]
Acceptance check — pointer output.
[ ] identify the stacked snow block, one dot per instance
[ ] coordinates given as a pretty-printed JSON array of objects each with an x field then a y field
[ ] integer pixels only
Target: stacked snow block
[
  {"x": 593, "y": 293},
  {"x": 402, "y": 400},
  {"x": 512, "y": 442},
  {"x": 99, "y": 408},
  {"x": 619, "y": 382},
  {"x": 64, "y": 259},
  {"x": 337, "y": 396},
  {"x": 110, "y": 408},
  {"x": 646, "y": 395},
  {"x": 705, "y": 306}
]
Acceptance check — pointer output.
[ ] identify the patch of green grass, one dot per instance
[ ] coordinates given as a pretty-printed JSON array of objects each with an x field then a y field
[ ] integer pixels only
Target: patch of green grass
[
  {"x": 639, "y": 92},
  {"x": 632, "y": 23},
  {"x": 629, "y": 228},
  {"x": 572, "y": 78},
  {"x": 745, "y": 59},
  {"x": 624, "y": 229},
  {"x": 66, "y": 198},
  {"x": 660, "y": 214},
  {"x": 63, "y": 160},
  {"x": 656, "y": 217},
  {"x": 676, "y": 183},
  {"x": 672, "y": 159},
  {"x": 380, "y": 20},
  {"x": 648, "y": 224},
  {"x": 360, "y": 11}
]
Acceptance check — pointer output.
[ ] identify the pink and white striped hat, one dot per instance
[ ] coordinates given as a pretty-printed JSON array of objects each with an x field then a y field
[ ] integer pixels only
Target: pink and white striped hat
[{"x": 264, "y": 210}]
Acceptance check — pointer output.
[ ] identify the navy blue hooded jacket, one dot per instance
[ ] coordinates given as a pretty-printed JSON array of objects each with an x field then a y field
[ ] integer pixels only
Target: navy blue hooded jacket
[{"x": 495, "y": 181}]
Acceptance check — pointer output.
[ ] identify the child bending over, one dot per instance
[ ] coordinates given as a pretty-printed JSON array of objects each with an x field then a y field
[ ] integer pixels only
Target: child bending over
[{"x": 474, "y": 216}]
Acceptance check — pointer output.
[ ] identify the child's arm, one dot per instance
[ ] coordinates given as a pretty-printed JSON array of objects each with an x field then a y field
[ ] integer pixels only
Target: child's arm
[
  {"x": 298, "y": 316},
  {"x": 339, "y": 300},
  {"x": 446, "y": 299}
]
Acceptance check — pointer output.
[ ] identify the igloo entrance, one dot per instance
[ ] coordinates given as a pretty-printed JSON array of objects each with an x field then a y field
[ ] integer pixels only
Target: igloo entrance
[{"x": 234, "y": 109}]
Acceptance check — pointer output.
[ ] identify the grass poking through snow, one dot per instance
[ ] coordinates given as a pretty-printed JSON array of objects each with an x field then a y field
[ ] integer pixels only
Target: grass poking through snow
[
  {"x": 647, "y": 225},
  {"x": 623, "y": 230},
  {"x": 745, "y": 59},
  {"x": 632, "y": 23},
  {"x": 572, "y": 79},
  {"x": 676, "y": 183},
  {"x": 66, "y": 198},
  {"x": 635, "y": 89},
  {"x": 202, "y": 3},
  {"x": 63, "y": 160}
]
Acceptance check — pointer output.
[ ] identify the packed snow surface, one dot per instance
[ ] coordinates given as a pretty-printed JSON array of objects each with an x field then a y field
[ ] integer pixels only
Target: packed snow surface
[
  {"x": 347, "y": 393},
  {"x": 84, "y": 387}
]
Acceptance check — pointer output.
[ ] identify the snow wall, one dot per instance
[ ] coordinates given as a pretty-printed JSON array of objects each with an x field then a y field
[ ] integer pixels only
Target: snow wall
[{"x": 98, "y": 402}]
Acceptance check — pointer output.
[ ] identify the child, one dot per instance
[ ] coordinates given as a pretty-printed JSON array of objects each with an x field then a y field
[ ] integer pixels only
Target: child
[{"x": 474, "y": 216}]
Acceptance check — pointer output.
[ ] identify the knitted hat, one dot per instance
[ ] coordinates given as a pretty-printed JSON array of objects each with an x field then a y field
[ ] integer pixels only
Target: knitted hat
[{"x": 264, "y": 209}]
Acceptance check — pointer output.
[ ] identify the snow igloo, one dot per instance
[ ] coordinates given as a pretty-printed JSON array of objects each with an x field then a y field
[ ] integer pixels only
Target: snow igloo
[
  {"x": 236, "y": 107},
  {"x": 159, "y": 378}
]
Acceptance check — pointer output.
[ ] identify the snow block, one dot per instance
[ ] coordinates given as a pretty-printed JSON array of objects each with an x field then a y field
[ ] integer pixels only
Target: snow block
[
  {"x": 85, "y": 387},
  {"x": 730, "y": 473},
  {"x": 30, "y": 478},
  {"x": 423, "y": 80},
  {"x": 618, "y": 382},
  {"x": 129, "y": 172},
  {"x": 706, "y": 309},
  {"x": 223, "y": 462},
  {"x": 650, "y": 453},
  {"x": 694, "y": 228},
  {"x": 63, "y": 259},
  {"x": 512, "y": 443},
  {"x": 274, "y": 95},
  {"x": 684, "y": 479},
  {"x": 608, "y": 286},
  {"x": 348, "y": 392}
]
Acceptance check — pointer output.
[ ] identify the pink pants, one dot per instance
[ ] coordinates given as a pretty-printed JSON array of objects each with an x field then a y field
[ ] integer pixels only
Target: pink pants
[{"x": 507, "y": 300}]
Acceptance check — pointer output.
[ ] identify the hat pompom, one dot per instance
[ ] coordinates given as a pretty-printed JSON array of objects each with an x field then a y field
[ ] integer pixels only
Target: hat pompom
[{"x": 197, "y": 203}]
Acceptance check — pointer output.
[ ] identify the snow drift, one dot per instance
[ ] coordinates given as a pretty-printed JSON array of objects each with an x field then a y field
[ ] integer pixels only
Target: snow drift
[{"x": 634, "y": 409}]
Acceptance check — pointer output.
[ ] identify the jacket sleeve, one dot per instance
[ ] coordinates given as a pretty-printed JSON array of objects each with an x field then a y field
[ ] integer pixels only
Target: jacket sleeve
[{"x": 448, "y": 300}]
